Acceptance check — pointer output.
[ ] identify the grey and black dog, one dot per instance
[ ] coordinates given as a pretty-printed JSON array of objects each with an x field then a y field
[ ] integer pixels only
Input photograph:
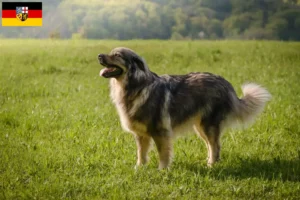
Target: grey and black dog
[{"x": 158, "y": 108}]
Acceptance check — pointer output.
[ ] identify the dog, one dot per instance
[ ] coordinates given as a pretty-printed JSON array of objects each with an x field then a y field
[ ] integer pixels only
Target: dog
[{"x": 159, "y": 108}]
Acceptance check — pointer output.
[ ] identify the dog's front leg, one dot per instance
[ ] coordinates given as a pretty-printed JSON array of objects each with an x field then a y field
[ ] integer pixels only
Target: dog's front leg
[
  {"x": 165, "y": 150},
  {"x": 143, "y": 146}
]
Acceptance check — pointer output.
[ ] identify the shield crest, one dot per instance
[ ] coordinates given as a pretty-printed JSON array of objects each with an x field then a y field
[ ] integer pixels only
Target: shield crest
[{"x": 22, "y": 13}]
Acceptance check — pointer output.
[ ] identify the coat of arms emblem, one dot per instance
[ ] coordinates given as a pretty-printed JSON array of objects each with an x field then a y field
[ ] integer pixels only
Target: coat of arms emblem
[{"x": 22, "y": 13}]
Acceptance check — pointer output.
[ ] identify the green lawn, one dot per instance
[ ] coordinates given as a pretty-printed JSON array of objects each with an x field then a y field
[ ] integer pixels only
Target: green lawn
[{"x": 60, "y": 136}]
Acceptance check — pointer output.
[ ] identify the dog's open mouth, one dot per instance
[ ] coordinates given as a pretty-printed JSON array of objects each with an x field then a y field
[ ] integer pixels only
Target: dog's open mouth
[{"x": 111, "y": 71}]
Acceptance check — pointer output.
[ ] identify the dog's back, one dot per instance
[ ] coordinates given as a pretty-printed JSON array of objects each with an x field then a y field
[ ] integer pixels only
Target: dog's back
[{"x": 205, "y": 94}]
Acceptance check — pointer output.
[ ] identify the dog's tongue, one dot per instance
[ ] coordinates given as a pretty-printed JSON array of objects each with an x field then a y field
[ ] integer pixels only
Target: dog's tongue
[{"x": 106, "y": 70}]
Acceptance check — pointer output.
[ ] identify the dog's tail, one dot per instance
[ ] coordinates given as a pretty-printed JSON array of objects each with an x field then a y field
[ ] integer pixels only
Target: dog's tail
[{"x": 250, "y": 105}]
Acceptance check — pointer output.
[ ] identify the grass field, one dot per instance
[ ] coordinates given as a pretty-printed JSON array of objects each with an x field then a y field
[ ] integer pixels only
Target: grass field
[{"x": 60, "y": 136}]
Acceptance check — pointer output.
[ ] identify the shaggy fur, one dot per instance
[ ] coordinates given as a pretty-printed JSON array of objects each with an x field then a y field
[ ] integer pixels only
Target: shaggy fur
[{"x": 158, "y": 108}]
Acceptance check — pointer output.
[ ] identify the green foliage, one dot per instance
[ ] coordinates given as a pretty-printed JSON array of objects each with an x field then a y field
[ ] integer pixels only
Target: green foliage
[
  {"x": 165, "y": 19},
  {"x": 176, "y": 36},
  {"x": 259, "y": 33},
  {"x": 76, "y": 36},
  {"x": 54, "y": 34},
  {"x": 61, "y": 138}
]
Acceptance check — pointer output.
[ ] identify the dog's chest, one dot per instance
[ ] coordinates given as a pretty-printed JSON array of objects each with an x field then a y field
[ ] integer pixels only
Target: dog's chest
[{"x": 129, "y": 125}]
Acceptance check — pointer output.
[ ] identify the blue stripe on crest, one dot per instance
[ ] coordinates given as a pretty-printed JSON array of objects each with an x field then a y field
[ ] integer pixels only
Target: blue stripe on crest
[{"x": 19, "y": 10}]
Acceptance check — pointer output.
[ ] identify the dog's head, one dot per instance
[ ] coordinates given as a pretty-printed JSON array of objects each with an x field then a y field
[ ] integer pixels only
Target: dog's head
[{"x": 120, "y": 62}]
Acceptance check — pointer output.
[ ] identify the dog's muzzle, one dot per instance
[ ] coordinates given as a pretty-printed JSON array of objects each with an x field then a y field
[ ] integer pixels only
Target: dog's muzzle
[
  {"x": 101, "y": 58},
  {"x": 109, "y": 70}
]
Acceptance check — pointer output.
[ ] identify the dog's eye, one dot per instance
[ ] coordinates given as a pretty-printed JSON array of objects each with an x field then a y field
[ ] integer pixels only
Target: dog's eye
[{"x": 117, "y": 55}]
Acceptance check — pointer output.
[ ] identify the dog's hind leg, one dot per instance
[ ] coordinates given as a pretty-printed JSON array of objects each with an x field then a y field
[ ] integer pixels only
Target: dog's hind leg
[
  {"x": 143, "y": 145},
  {"x": 213, "y": 137},
  {"x": 164, "y": 147},
  {"x": 198, "y": 129}
]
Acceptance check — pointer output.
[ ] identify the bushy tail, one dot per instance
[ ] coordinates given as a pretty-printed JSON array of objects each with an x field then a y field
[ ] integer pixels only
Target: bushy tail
[{"x": 250, "y": 105}]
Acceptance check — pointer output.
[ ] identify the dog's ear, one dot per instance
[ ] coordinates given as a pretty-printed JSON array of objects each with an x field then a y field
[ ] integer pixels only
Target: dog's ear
[{"x": 139, "y": 62}]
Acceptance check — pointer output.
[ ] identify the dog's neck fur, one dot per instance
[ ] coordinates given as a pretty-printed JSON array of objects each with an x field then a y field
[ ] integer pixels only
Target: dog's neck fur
[
  {"x": 127, "y": 83},
  {"x": 127, "y": 103},
  {"x": 121, "y": 89}
]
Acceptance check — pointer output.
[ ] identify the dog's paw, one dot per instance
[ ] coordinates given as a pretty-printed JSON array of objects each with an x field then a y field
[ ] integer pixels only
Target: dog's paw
[
  {"x": 137, "y": 166},
  {"x": 163, "y": 167},
  {"x": 210, "y": 163}
]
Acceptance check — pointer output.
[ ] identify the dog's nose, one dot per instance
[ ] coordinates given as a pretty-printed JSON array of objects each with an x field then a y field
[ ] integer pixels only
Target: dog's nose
[{"x": 101, "y": 58}]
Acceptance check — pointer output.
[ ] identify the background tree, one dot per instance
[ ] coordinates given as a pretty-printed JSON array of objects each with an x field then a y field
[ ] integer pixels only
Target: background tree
[{"x": 166, "y": 19}]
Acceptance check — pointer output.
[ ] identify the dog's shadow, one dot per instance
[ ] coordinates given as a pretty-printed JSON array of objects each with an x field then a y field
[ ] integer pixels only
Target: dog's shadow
[{"x": 276, "y": 169}]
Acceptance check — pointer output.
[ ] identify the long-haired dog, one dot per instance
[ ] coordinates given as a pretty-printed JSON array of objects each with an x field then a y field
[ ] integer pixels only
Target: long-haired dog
[{"x": 157, "y": 108}]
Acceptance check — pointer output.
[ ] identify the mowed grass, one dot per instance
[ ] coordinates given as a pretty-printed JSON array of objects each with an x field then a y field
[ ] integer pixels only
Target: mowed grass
[{"x": 60, "y": 136}]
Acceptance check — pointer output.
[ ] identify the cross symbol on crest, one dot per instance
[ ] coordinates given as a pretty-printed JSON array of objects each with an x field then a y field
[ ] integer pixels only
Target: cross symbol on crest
[{"x": 24, "y": 9}]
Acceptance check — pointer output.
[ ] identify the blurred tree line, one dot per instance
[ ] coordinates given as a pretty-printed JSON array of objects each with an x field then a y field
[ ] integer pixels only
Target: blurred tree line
[{"x": 166, "y": 19}]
